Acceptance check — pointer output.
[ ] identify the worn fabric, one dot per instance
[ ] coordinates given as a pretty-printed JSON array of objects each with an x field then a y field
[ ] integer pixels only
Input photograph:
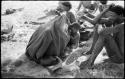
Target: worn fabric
[{"x": 48, "y": 41}]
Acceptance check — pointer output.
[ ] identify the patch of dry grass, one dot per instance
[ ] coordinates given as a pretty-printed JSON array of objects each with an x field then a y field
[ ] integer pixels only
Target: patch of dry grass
[
  {"x": 103, "y": 70},
  {"x": 14, "y": 49}
]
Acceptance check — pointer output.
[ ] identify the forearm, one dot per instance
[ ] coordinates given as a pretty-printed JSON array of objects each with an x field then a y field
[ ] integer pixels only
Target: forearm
[
  {"x": 110, "y": 30},
  {"x": 93, "y": 21},
  {"x": 105, "y": 21},
  {"x": 96, "y": 19},
  {"x": 80, "y": 4},
  {"x": 90, "y": 15},
  {"x": 87, "y": 19}
]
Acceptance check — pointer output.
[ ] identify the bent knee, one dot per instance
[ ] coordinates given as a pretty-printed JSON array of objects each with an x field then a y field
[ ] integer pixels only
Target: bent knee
[
  {"x": 105, "y": 36},
  {"x": 102, "y": 33}
]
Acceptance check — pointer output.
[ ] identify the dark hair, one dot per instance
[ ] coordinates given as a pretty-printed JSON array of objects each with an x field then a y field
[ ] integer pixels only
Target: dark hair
[
  {"x": 103, "y": 1},
  {"x": 67, "y": 4},
  {"x": 119, "y": 10}
]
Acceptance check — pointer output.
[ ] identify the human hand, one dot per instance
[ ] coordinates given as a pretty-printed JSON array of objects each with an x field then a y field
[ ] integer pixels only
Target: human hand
[
  {"x": 59, "y": 60},
  {"x": 58, "y": 65}
]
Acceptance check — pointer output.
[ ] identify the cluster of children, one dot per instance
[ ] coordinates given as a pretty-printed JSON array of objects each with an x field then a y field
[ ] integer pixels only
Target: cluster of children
[{"x": 111, "y": 36}]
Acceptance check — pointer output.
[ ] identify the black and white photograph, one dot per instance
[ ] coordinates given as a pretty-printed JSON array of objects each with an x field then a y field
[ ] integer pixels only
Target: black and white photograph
[{"x": 62, "y": 39}]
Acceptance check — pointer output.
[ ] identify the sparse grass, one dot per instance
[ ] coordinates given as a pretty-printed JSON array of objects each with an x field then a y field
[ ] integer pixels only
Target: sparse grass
[
  {"x": 12, "y": 50},
  {"x": 107, "y": 70}
]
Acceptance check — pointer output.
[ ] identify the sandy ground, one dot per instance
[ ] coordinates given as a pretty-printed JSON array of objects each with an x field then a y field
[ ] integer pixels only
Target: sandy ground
[{"x": 14, "y": 49}]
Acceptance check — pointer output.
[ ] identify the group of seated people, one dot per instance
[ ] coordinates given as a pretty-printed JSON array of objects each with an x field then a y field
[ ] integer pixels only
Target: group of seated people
[{"x": 52, "y": 39}]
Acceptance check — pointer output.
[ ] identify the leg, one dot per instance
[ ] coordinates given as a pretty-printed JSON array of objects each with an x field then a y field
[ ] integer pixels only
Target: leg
[
  {"x": 97, "y": 49},
  {"x": 95, "y": 38},
  {"x": 120, "y": 41},
  {"x": 112, "y": 49}
]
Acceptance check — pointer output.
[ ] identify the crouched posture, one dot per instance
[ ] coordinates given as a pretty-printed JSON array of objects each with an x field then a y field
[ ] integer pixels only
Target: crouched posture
[
  {"x": 48, "y": 41},
  {"x": 114, "y": 44}
]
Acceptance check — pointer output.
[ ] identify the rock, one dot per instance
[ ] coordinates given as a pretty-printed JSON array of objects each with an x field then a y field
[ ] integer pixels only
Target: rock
[
  {"x": 9, "y": 11},
  {"x": 7, "y": 37}
]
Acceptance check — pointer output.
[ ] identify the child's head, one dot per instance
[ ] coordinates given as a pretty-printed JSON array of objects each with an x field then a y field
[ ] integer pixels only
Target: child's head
[
  {"x": 64, "y": 6},
  {"x": 74, "y": 27},
  {"x": 115, "y": 12},
  {"x": 103, "y": 1}
]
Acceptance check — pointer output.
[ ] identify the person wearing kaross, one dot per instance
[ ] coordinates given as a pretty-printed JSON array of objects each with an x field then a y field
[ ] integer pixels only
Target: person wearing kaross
[
  {"x": 62, "y": 5},
  {"x": 49, "y": 41},
  {"x": 112, "y": 38},
  {"x": 67, "y": 5}
]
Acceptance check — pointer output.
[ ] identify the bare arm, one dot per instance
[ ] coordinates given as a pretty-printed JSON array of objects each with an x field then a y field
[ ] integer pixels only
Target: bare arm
[
  {"x": 110, "y": 30},
  {"x": 90, "y": 15},
  {"x": 80, "y": 4},
  {"x": 98, "y": 17},
  {"x": 105, "y": 21}
]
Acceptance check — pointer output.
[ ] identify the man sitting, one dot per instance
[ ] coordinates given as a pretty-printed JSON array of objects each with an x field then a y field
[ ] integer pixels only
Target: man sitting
[{"x": 114, "y": 44}]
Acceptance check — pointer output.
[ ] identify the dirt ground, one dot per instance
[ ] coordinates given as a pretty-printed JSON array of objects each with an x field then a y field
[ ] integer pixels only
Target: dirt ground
[{"x": 14, "y": 49}]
